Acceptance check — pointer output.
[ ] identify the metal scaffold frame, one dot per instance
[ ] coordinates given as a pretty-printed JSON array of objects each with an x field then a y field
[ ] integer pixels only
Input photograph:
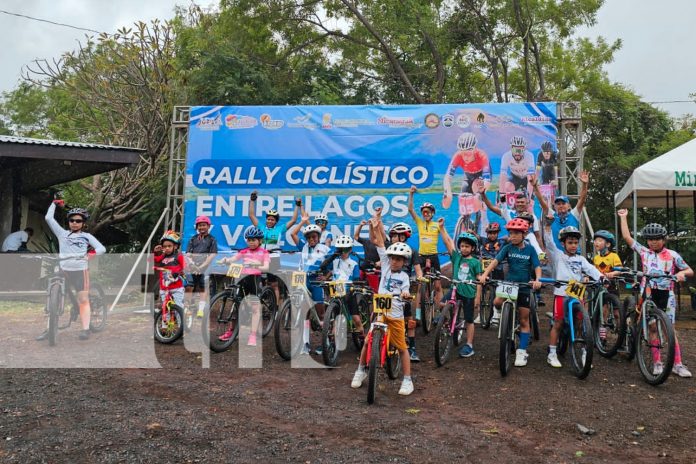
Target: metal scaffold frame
[{"x": 177, "y": 168}]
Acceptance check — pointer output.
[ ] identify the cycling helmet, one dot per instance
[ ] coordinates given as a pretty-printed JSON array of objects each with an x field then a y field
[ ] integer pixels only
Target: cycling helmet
[
  {"x": 171, "y": 236},
  {"x": 517, "y": 224},
  {"x": 78, "y": 212},
  {"x": 430, "y": 206},
  {"x": 569, "y": 231},
  {"x": 653, "y": 230},
  {"x": 202, "y": 219},
  {"x": 493, "y": 227},
  {"x": 527, "y": 216},
  {"x": 518, "y": 141},
  {"x": 399, "y": 249},
  {"x": 606, "y": 235},
  {"x": 344, "y": 241},
  {"x": 469, "y": 238},
  {"x": 401, "y": 228},
  {"x": 321, "y": 217},
  {"x": 253, "y": 232},
  {"x": 312, "y": 228},
  {"x": 466, "y": 141},
  {"x": 273, "y": 213},
  {"x": 546, "y": 146}
]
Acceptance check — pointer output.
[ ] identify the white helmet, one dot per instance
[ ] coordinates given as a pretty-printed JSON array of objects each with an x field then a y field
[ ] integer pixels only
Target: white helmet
[
  {"x": 401, "y": 228},
  {"x": 466, "y": 141},
  {"x": 321, "y": 217},
  {"x": 344, "y": 241},
  {"x": 311, "y": 228},
  {"x": 399, "y": 249},
  {"x": 518, "y": 141}
]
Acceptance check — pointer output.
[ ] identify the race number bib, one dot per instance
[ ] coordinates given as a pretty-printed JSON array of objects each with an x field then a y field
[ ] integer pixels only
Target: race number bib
[
  {"x": 299, "y": 279},
  {"x": 337, "y": 289},
  {"x": 234, "y": 271},
  {"x": 507, "y": 291},
  {"x": 381, "y": 303},
  {"x": 575, "y": 290}
]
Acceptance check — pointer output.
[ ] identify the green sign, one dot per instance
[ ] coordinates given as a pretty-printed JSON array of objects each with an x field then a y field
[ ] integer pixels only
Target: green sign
[{"x": 684, "y": 179}]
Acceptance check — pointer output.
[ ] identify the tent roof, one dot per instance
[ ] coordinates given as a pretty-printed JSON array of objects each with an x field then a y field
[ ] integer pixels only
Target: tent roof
[{"x": 675, "y": 171}]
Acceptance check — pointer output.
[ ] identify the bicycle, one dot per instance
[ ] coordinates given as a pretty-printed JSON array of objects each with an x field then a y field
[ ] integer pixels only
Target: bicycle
[
  {"x": 608, "y": 327},
  {"x": 56, "y": 291},
  {"x": 487, "y": 298},
  {"x": 380, "y": 354},
  {"x": 169, "y": 320},
  {"x": 427, "y": 297},
  {"x": 450, "y": 327},
  {"x": 224, "y": 311},
  {"x": 577, "y": 328},
  {"x": 649, "y": 331},
  {"x": 470, "y": 211},
  {"x": 338, "y": 320}
]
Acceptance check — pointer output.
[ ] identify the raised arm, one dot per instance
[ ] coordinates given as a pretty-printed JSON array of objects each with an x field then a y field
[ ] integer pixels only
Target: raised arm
[
  {"x": 295, "y": 230},
  {"x": 295, "y": 213},
  {"x": 449, "y": 244},
  {"x": 537, "y": 192},
  {"x": 252, "y": 208},
  {"x": 356, "y": 235},
  {"x": 625, "y": 231},
  {"x": 411, "y": 209},
  {"x": 585, "y": 179},
  {"x": 489, "y": 204}
]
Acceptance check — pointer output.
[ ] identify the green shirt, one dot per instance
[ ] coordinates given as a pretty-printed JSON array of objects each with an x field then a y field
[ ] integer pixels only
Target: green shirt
[{"x": 465, "y": 269}]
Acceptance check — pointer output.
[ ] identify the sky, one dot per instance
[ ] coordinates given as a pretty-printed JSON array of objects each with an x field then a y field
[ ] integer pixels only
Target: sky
[{"x": 656, "y": 59}]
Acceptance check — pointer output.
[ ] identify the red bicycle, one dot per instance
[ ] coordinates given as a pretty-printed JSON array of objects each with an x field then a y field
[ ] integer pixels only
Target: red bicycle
[{"x": 169, "y": 319}]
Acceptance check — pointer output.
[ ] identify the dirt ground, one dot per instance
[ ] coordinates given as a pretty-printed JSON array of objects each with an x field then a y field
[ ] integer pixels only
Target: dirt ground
[{"x": 462, "y": 412}]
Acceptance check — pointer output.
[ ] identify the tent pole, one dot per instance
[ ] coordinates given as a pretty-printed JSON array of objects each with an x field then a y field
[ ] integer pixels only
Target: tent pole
[
  {"x": 635, "y": 227},
  {"x": 667, "y": 205},
  {"x": 674, "y": 212}
]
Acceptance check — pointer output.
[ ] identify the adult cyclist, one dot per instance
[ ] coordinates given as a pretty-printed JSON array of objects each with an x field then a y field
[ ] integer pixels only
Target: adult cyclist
[{"x": 516, "y": 166}]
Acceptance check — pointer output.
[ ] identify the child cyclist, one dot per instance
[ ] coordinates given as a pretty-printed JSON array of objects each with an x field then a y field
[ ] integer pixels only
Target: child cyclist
[
  {"x": 200, "y": 252},
  {"x": 313, "y": 254},
  {"x": 396, "y": 282},
  {"x": 567, "y": 265},
  {"x": 74, "y": 243},
  {"x": 342, "y": 267},
  {"x": 605, "y": 260},
  {"x": 658, "y": 259},
  {"x": 322, "y": 220},
  {"x": 167, "y": 256},
  {"x": 255, "y": 260},
  {"x": 522, "y": 262},
  {"x": 465, "y": 266}
]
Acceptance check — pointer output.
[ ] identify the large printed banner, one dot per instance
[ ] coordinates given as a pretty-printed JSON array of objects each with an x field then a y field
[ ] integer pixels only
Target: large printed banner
[{"x": 345, "y": 161}]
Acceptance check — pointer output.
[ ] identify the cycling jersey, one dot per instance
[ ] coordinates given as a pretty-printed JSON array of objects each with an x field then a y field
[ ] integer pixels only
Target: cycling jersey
[
  {"x": 428, "y": 236},
  {"x": 522, "y": 168},
  {"x": 393, "y": 283},
  {"x": 273, "y": 236},
  {"x": 666, "y": 261},
  {"x": 480, "y": 163},
  {"x": 572, "y": 218},
  {"x": 174, "y": 263},
  {"x": 521, "y": 262},
  {"x": 260, "y": 257},
  {"x": 547, "y": 168},
  {"x": 568, "y": 267},
  {"x": 607, "y": 262},
  {"x": 341, "y": 269},
  {"x": 312, "y": 257},
  {"x": 72, "y": 244}
]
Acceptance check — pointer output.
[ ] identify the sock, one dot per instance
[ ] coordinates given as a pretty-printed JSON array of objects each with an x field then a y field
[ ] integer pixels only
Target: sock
[
  {"x": 305, "y": 332},
  {"x": 412, "y": 343},
  {"x": 201, "y": 305},
  {"x": 552, "y": 349},
  {"x": 677, "y": 354},
  {"x": 655, "y": 352},
  {"x": 407, "y": 377},
  {"x": 524, "y": 340}
]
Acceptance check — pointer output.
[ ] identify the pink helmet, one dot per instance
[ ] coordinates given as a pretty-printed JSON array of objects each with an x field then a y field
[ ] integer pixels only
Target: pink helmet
[{"x": 204, "y": 219}]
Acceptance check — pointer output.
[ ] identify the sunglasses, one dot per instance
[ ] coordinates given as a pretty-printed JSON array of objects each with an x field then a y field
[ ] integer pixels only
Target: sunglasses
[{"x": 76, "y": 221}]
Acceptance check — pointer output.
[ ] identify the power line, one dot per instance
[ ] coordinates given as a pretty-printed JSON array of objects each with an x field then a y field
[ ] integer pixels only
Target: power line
[{"x": 50, "y": 22}]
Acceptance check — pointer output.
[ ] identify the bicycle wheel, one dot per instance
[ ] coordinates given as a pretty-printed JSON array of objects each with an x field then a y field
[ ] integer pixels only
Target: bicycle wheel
[
  {"x": 656, "y": 347},
  {"x": 533, "y": 316},
  {"x": 364, "y": 312},
  {"x": 269, "y": 310},
  {"x": 169, "y": 330},
  {"x": 442, "y": 346},
  {"x": 630, "y": 331},
  {"x": 55, "y": 303},
  {"x": 610, "y": 330},
  {"x": 582, "y": 343},
  {"x": 330, "y": 332},
  {"x": 487, "y": 306},
  {"x": 221, "y": 320},
  {"x": 393, "y": 363},
  {"x": 287, "y": 332},
  {"x": 428, "y": 308},
  {"x": 373, "y": 365},
  {"x": 507, "y": 341},
  {"x": 562, "y": 345},
  {"x": 98, "y": 308}
]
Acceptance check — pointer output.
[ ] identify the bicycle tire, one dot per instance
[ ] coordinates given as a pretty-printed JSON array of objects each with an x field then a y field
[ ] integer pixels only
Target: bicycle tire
[
  {"x": 329, "y": 334},
  {"x": 533, "y": 316},
  {"x": 487, "y": 306},
  {"x": 666, "y": 335},
  {"x": 269, "y": 310},
  {"x": 288, "y": 337},
  {"x": 174, "y": 328},
  {"x": 614, "y": 325},
  {"x": 427, "y": 308},
  {"x": 373, "y": 365},
  {"x": 507, "y": 342},
  {"x": 98, "y": 308},
  {"x": 583, "y": 340},
  {"x": 563, "y": 340},
  {"x": 393, "y": 363},
  {"x": 630, "y": 328},
  {"x": 54, "y": 302},
  {"x": 222, "y": 315},
  {"x": 442, "y": 345},
  {"x": 364, "y": 312}
]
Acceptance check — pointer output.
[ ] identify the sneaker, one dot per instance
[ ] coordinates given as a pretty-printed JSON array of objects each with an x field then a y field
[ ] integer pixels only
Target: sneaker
[
  {"x": 358, "y": 378},
  {"x": 478, "y": 319},
  {"x": 84, "y": 335},
  {"x": 584, "y": 356},
  {"x": 42, "y": 336},
  {"x": 226, "y": 336},
  {"x": 681, "y": 371},
  {"x": 413, "y": 355},
  {"x": 552, "y": 360},
  {"x": 200, "y": 314},
  {"x": 252, "y": 340},
  {"x": 306, "y": 349},
  {"x": 495, "y": 320},
  {"x": 657, "y": 368},
  {"x": 319, "y": 349},
  {"x": 466, "y": 351},
  {"x": 521, "y": 357},
  {"x": 406, "y": 387}
]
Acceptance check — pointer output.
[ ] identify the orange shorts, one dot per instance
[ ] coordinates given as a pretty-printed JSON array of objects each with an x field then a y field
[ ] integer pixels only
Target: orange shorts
[{"x": 397, "y": 331}]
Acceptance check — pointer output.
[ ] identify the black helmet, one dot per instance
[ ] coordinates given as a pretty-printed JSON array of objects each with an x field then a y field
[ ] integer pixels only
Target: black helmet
[
  {"x": 527, "y": 216},
  {"x": 546, "y": 146},
  {"x": 654, "y": 230}
]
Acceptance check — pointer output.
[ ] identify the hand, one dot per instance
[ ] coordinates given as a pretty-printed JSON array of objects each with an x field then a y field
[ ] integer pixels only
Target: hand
[
  {"x": 622, "y": 213},
  {"x": 378, "y": 212},
  {"x": 446, "y": 200},
  {"x": 363, "y": 223},
  {"x": 681, "y": 277},
  {"x": 59, "y": 203},
  {"x": 536, "y": 285},
  {"x": 483, "y": 278},
  {"x": 298, "y": 201},
  {"x": 157, "y": 249},
  {"x": 254, "y": 195},
  {"x": 533, "y": 180},
  {"x": 478, "y": 186},
  {"x": 305, "y": 219},
  {"x": 405, "y": 295},
  {"x": 584, "y": 177},
  {"x": 413, "y": 189},
  {"x": 441, "y": 223}
]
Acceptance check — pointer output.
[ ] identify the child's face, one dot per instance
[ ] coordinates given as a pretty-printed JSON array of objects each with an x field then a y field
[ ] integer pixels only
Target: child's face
[
  {"x": 465, "y": 248},
  {"x": 571, "y": 245},
  {"x": 168, "y": 247},
  {"x": 516, "y": 236},
  {"x": 427, "y": 214},
  {"x": 599, "y": 244},
  {"x": 656, "y": 244},
  {"x": 396, "y": 263},
  {"x": 345, "y": 252},
  {"x": 492, "y": 236},
  {"x": 253, "y": 243},
  {"x": 397, "y": 237},
  {"x": 271, "y": 221},
  {"x": 76, "y": 223},
  {"x": 202, "y": 228},
  {"x": 312, "y": 239},
  {"x": 321, "y": 224}
]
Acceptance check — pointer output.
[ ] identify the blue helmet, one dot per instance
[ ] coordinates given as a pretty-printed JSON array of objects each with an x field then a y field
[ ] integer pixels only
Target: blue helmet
[
  {"x": 606, "y": 235},
  {"x": 253, "y": 232},
  {"x": 468, "y": 237}
]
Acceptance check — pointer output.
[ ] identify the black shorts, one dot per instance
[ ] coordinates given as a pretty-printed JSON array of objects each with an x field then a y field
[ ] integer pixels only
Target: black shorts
[
  {"x": 77, "y": 280},
  {"x": 408, "y": 313},
  {"x": 197, "y": 282},
  {"x": 660, "y": 298},
  {"x": 352, "y": 304},
  {"x": 467, "y": 305},
  {"x": 434, "y": 261},
  {"x": 250, "y": 285},
  {"x": 520, "y": 183},
  {"x": 524, "y": 298}
]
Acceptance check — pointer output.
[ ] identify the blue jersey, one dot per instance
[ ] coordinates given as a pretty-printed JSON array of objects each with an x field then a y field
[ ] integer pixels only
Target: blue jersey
[
  {"x": 273, "y": 237},
  {"x": 570, "y": 219},
  {"x": 521, "y": 262}
]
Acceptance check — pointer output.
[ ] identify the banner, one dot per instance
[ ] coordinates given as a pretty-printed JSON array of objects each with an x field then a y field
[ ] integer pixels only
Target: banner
[{"x": 345, "y": 161}]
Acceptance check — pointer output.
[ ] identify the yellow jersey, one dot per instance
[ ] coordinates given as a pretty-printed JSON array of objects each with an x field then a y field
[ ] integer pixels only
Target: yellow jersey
[
  {"x": 607, "y": 263},
  {"x": 428, "y": 236}
]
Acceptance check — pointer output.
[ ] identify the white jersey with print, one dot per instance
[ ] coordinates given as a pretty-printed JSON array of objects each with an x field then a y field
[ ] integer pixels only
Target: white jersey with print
[
  {"x": 393, "y": 283},
  {"x": 568, "y": 267},
  {"x": 72, "y": 244}
]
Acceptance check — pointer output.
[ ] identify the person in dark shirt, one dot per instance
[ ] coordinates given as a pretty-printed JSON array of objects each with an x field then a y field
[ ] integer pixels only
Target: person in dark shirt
[{"x": 200, "y": 252}]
